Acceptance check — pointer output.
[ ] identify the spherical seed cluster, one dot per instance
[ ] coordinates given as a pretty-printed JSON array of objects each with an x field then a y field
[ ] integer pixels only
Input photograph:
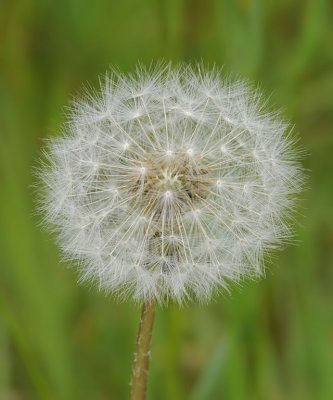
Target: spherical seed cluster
[{"x": 170, "y": 183}]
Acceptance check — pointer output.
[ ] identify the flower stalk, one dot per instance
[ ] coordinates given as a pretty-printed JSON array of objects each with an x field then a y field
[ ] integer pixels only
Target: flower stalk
[{"x": 140, "y": 368}]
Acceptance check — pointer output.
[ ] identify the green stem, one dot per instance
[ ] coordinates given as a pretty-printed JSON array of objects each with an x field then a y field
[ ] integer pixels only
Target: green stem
[{"x": 142, "y": 353}]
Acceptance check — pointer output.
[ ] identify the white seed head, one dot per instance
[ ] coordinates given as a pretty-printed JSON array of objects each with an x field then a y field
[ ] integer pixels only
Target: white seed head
[{"x": 171, "y": 183}]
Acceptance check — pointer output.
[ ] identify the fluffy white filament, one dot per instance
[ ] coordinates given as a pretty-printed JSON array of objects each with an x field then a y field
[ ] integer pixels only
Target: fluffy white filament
[{"x": 170, "y": 183}]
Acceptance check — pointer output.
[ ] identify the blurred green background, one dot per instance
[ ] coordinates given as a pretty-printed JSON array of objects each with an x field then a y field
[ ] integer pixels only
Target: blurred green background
[{"x": 270, "y": 340}]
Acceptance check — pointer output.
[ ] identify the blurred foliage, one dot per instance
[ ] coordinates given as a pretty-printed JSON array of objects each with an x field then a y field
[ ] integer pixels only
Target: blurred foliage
[{"x": 271, "y": 340}]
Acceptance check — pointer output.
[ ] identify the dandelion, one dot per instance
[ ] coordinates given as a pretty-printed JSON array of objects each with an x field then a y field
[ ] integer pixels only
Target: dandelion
[{"x": 168, "y": 185}]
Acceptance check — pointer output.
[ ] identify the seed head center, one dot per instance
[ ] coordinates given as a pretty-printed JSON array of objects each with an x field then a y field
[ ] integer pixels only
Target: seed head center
[{"x": 183, "y": 180}]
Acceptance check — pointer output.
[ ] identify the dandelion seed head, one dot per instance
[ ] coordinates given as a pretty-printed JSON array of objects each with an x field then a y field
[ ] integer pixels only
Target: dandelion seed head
[{"x": 171, "y": 183}]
